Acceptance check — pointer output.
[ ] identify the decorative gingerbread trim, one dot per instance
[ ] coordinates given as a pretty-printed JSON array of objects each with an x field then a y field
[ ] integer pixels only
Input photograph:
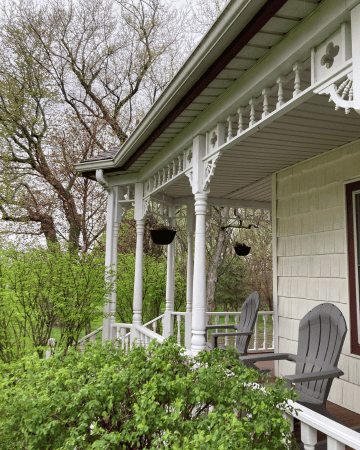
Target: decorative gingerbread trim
[
  {"x": 210, "y": 167},
  {"x": 342, "y": 96}
]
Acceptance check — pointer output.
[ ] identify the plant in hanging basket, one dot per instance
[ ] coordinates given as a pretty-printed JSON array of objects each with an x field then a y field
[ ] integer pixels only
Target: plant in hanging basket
[
  {"x": 162, "y": 234},
  {"x": 241, "y": 249}
]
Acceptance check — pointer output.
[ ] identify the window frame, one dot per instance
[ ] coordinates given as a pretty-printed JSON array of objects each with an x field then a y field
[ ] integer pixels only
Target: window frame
[{"x": 353, "y": 259}]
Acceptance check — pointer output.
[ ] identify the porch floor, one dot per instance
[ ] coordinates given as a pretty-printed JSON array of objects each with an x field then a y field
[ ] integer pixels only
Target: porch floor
[{"x": 347, "y": 417}]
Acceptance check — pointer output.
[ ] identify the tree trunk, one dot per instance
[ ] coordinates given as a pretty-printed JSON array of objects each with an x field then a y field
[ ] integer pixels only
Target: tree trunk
[{"x": 213, "y": 271}]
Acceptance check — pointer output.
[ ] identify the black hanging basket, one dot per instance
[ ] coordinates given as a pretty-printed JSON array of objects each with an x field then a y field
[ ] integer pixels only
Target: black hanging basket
[
  {"x": 162, "y": 237},
  {"x": 242, "y": 250}
]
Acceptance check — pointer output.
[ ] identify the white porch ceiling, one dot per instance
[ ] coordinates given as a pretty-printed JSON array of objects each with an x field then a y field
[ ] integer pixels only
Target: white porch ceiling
[{"x": 244, "y": 171}]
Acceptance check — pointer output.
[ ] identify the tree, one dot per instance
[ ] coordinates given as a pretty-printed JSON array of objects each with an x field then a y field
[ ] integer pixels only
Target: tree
[
  {"x": 83, "y": 70},
  {"x": 259, "y": 276},
  {"x": 156, "y": 398}
]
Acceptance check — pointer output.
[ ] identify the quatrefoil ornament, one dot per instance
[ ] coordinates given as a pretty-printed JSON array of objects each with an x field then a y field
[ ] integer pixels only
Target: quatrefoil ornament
[
  {"x": 213, "y": 139},
  {"x": 331, "y": 51}
]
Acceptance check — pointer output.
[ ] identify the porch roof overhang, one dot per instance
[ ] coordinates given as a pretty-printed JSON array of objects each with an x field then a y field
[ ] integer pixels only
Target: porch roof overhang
[
  {"x": 243, "y": 34},
  {"x": 309, "y": 125}
]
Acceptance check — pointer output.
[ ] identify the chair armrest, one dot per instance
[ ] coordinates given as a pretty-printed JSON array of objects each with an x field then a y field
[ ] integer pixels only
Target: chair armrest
[
  {"x": 220, "y": 327},
  {"x": 215, "y": 336},
  {"x": 313, "y": 376},
  {"x": 268, "y": 357}
]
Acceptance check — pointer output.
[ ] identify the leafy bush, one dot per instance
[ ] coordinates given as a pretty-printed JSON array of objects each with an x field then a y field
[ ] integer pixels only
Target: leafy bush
[
  {"x": 157, "y": 398},
  {"x": 42, "y": 288}
]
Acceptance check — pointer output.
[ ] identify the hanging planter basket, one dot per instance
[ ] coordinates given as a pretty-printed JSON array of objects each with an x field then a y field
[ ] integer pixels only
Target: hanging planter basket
[
  {"x": 163, "y": 236},
  {"x": 242, "y": 249}
]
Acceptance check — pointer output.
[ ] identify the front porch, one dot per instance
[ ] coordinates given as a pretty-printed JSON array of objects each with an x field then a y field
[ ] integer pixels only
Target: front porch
[{"x": 279, "y": 142}]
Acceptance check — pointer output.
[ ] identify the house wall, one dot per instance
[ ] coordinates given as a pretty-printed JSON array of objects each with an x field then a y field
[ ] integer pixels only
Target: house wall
[{"x": 312, "y": 254}]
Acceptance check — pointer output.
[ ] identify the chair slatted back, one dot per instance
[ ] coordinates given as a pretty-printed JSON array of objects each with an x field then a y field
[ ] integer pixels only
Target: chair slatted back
[
  {"x": 321, "y": 336},
  {"x": 248, "y": 317}
]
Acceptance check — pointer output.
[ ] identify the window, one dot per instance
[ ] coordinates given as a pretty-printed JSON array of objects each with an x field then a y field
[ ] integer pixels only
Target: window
[{"x": 353, "y": 233}]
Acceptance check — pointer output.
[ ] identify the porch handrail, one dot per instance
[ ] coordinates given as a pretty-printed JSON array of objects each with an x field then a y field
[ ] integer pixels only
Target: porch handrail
[
  {"x": 146, "y": 335},
  {"x": 338, "y": 435},
  {"x": 88, "y": 336},
  {"x": 153, "y": 320},
  {"x": 121, "y": 335}
]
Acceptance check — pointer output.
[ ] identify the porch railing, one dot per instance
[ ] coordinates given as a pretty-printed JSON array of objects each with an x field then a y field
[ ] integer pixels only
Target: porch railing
[
  {"x": 179, "y": 326},
  {"x": 146, "y": 336},
  {"x": 89, "y": 337},
  {"x": 155, "y": 324},
  {"x": 263, "y": 338},
  {"x": 337, "y": 435}
]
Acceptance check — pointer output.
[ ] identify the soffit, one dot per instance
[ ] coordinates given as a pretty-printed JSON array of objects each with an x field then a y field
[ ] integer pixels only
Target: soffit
[
  {"x": 287, "y": 18},
  {"x": 244, "y": 171}
]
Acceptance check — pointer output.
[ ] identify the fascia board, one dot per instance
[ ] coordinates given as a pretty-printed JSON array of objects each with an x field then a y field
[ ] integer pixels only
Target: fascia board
[
  {"x": 235, "y": 16},
  {"x": 122, "y": 180},
  {"x": 315, "y": 28},
  {"x": 94, "y": 165}
]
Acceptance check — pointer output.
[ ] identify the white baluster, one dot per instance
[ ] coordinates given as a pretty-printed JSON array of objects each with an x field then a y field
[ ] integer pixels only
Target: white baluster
[
  {"x": 265, "y": 331},
  {"x": 164, "y": 176},
  {"x": 178, "y": 317},
  {"x": 226, "y": 323},
  {"x": 333, "y": 444},
  {"x": 154, "y": 326},
  {"x": 296, "y": 68},
  {"x": 265, "y": 93},
  {"x": 308, "y": 436},
  {"x": 122, "y": 337},
  {"x": 230, "y": 128},
  {"x": 174, "y": 168},
  {"x": 273, "y": 332},
  {"x": 169, "y": 172},
  {"x": 252, "y": 112},
  {"x": 216, "y": 322},
  {"x": 240, "y": 112},
  {"x": 237, "y": 317},
  {"x": 280, "y": 81},
  {"x": 256, "y": 341}
]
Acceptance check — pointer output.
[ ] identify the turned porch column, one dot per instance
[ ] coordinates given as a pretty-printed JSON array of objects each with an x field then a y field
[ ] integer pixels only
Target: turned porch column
[
  {"x": 110, "y": 213},
  {"x": 139, "y": 214},
  {"x": 190, "y": 222},
  {"x": 199, "y": 284},
  {"x": 200, "y": 191},
  {"x": 168, "y": 321},
  {"x": 114, "y": 216}
]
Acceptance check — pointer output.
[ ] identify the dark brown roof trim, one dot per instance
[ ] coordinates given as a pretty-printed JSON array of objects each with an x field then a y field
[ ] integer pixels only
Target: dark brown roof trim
[{"x": 254, "y": 26}]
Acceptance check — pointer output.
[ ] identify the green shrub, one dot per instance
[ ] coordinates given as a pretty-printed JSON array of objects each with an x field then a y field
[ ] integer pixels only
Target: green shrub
[{"x": 158, "y": 398}]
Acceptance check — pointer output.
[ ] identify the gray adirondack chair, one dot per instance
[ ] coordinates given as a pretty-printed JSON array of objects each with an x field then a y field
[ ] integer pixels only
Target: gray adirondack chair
[
  {"x": 244, "y": 330},
  {"x": 322, "y": 333}
]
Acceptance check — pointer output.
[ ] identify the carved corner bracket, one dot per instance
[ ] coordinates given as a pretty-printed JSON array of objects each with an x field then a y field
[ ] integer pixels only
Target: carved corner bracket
[
  {"x": 146, "y": 203},
  {"x": 190, "y": 175},
  {"x": 341, "y": 95},
  {"x": 210, "y": 167}
]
